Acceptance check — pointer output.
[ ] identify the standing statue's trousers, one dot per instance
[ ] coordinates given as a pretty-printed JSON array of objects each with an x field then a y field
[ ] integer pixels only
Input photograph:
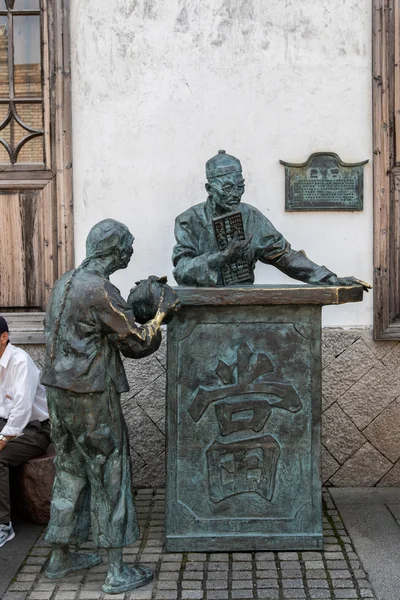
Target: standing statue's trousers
[{"x": 93, "y": 484}]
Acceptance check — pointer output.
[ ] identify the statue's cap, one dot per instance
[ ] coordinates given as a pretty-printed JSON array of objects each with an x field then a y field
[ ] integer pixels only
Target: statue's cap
[
  {"x": 222, "y": 164},
  {"x": 105, "y": 237}
]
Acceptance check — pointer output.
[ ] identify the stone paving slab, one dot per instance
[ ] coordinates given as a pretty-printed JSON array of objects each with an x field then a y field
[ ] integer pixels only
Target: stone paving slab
[
  {"x": 335, "y": 574},
  {"x": 13, "y": 554},
  {"x": 372, "y": 519}
]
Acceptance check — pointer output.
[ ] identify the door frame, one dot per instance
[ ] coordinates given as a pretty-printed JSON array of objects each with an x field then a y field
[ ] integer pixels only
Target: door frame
[{"x": 386, "y": 165}]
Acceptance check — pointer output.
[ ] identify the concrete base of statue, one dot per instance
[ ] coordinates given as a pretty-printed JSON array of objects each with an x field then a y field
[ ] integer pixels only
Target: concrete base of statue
[{"x": 243, "y": 418}]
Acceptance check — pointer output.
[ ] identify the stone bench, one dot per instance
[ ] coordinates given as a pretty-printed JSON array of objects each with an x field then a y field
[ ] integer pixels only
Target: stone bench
[{"x": 31, "y": 488}]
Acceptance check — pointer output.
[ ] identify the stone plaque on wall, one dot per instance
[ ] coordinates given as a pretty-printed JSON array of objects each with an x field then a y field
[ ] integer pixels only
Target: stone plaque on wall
[{"x": 324, "y": 182}]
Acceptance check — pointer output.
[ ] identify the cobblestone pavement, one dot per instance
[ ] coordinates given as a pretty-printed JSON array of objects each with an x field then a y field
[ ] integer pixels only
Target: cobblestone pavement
[{"x": 334, "y": 574}]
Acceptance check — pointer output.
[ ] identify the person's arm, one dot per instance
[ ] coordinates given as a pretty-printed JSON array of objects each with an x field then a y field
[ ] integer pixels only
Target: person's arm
[
  {"x": 191, "y": 267},
  {"x": 297, "y": 265},
  {"x": 26, "y": 380},
  {"x": 134, "y": 341},
  {"x": 274, "y": 249}
]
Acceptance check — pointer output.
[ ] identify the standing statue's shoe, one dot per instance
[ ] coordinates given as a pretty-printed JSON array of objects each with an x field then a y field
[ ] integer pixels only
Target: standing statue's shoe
[
  {"x": 129, "y": 579},
  {"x": 6, "y": 534},
  {"x": 73, "y": 562}
]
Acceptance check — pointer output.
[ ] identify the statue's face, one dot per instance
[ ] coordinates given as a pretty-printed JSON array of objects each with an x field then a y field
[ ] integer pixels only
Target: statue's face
[
  {"x": 227, "y": 191},
  {"x": 126, "y": 251}
]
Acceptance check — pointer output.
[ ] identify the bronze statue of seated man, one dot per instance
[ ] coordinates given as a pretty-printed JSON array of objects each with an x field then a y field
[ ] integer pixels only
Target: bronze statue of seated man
[{"x": 219, "y": 241}]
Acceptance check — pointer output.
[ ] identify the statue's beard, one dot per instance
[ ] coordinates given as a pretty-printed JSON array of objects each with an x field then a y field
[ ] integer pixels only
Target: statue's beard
[{"x": 225, "y": 203}]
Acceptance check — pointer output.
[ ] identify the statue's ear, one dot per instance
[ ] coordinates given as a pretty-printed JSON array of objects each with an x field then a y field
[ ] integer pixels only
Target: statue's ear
[{"x": 208, "y": 187}]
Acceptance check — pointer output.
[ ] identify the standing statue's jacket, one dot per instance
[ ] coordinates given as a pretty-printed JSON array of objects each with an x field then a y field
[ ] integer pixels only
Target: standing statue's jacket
[{"x": 87, "y": 322}]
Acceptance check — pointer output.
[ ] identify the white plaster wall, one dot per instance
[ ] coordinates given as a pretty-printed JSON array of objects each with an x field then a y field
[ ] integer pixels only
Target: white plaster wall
[{"x": 160, "y": 85}]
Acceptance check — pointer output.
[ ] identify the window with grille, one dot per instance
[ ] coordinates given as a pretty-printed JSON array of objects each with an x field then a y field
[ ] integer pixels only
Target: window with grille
[{"x": 21, "y": 88}]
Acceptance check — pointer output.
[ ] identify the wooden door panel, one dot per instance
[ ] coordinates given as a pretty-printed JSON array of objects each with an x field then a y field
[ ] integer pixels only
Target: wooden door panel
[
  {"x": 26, "y": 247},
  {"x": 48, "y": 224},
  {"x": 11, "y": 252},
  {"x": 386, "y": 147},
  {"x": 395, "y": 38}
]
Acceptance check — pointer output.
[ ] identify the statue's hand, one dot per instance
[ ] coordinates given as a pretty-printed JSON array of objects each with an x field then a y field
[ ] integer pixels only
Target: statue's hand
[
  {"x": 235, "y": 249},
  {"x": 169, "y": 304},
  {"x": 347, "y": 281},
  {"x": 151, "y": 297}
]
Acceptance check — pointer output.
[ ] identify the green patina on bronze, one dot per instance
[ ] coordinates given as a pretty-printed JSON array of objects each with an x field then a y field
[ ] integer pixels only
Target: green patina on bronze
[
  {"x": 219, "y": 242},
  {"x": 244, "y": 380},
  {"x": 243, "y": 418},
  {"x": 87, "y": 325},
  {"x": 324, "y": 182}
]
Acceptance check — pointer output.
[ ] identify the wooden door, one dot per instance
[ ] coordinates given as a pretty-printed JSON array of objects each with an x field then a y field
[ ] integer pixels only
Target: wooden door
[
  {"x": 36, "y": 226},
  {"x": 386, "y": 140}
]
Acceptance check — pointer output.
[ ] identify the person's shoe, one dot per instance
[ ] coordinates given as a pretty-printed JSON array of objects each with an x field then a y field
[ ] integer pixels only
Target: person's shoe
[
  {"x": 6, "y": 534},
  {"x": 130, "y": 579},
  {"x": 73, "y": 562}
]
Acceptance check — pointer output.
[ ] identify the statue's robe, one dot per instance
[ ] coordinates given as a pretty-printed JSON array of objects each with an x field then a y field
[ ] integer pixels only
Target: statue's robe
[
  {"x": 87, "y": 323},
  {"x": 195, "y": 241}
]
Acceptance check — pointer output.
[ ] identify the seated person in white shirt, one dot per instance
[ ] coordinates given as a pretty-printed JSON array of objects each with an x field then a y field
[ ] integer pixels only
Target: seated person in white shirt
[{"x": 24, "y": 420}]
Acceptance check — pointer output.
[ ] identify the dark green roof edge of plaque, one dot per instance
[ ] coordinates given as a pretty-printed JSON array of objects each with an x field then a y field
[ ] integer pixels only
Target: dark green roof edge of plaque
[{"x": 333, "y": 154}]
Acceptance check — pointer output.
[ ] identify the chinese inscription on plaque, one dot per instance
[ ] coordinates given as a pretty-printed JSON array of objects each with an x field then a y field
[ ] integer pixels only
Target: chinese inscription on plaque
[{"x": 324, "y": 182}]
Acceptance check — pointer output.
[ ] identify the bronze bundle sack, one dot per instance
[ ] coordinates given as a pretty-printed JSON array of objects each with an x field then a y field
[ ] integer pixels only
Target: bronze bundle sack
[{"x": 144, "y": 299}]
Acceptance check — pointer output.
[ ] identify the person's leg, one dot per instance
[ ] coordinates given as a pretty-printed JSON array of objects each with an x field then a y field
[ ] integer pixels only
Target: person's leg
[
  {"x": 63, "y": 561},
  {"x": 69, "y": 512},
  {"x": 32, "y": 443},
  {"x": 6, "y": 534},
  {"x": 121, "y": 578},
  {"x": 113, "y": 513},
  {"x": 69, "y": 509},
  {"x": 105, "y": 449}
]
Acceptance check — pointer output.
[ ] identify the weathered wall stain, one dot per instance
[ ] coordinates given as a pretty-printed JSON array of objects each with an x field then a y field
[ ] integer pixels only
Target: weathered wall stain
[
  {"x": 149, "y": 9},
  {"x": 126, "y": 10},
  {"x": 182, "y": 20},
  {"x": 223, "y": 32},
  {"x": 246, "y": 10},
  {"x": 125, "y": 42}
]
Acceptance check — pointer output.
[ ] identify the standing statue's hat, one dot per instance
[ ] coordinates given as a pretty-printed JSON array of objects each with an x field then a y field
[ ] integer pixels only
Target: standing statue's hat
[
  {"x": 105, "y": 237},
  {"x": 222, "y": 164}
]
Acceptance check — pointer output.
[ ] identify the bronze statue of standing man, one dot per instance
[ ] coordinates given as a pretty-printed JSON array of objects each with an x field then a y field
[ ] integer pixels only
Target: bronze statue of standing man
[{"x": 87, "y": 324}]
